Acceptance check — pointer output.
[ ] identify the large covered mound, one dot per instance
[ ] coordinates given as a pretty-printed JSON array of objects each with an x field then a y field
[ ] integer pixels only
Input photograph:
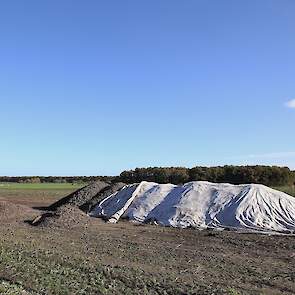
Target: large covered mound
[{"x": 201, "y": 204}]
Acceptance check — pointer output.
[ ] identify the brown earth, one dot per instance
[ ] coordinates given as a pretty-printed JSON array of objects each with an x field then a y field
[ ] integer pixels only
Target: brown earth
[
  {"x": 140, "y": 259},
  {"x": 11, "y": 213}
]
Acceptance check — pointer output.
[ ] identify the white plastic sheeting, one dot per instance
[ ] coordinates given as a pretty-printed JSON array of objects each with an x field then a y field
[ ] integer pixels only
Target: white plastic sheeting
[{"x": 201, "y": 204}]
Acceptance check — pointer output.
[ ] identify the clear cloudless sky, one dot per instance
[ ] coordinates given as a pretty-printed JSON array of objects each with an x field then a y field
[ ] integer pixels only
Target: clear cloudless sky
[{"x": 96, "y": 87}]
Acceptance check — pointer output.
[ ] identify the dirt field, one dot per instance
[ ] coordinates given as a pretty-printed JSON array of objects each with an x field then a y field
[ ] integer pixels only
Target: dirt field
[{"x": 99, "y": 258}]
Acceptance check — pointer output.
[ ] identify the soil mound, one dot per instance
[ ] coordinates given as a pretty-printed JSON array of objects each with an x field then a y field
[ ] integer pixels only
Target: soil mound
[
  {"x": 10, "y": 212},
  {"x": 66, "y": 216},
  {"x": 87, "y": 197},
  {"x": 71, "y": 210},
  {"x": 107, "y": 191},
  {"x": 81, "y": 196}
]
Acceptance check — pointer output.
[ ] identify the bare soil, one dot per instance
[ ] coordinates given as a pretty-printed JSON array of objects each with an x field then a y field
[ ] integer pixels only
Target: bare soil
[{"x": 94, "y": 257}]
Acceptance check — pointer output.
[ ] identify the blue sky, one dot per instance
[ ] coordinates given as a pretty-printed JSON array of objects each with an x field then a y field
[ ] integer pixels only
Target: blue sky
[{"x": 97, "y": 87}]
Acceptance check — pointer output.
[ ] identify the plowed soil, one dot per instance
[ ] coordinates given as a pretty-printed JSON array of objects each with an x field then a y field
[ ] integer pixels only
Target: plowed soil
[{"x": 99, "y": 258}]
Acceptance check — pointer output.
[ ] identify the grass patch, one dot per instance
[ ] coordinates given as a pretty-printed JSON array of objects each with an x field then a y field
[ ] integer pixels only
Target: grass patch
[
  {"x": 36, "y": 194},
  {"x": 45, "y": 272},
  {"x": 40, "y": 186},
  {"x": 232, "y": 291},
  {"x": 10, "y": 288}
]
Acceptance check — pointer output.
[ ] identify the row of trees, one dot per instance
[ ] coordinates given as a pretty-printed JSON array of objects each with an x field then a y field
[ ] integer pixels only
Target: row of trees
[
  {"x": 268, "y": 175},
  {"x": 54, "y": 179}
]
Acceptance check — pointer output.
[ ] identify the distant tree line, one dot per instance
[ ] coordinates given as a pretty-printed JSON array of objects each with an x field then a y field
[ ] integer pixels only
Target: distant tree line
[
  {"x": 267, "y": 175},
  {"x": 54, "y": 179}
]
